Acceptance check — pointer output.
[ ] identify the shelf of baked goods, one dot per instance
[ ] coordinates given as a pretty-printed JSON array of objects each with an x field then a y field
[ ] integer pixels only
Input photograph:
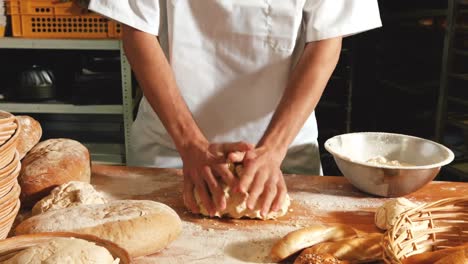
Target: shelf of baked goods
[
  {"x": 459, "y": 168},
  {"x": 459, "y": 76},
  {"x": 417, "y": 13},
  {"x": 460, "y": 52},
  {"x": 60, "y": 108},
  {"x": 461, "y": 28},
  {"x": 78, "y": 44},
  {"x": 458, "y": 101},
  {"x": 458, "y": 120},
  {"x": 413, "y": 88}
]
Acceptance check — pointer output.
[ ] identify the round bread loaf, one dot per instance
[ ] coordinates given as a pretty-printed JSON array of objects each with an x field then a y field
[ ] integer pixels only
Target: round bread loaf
[
  {"x": 52, "y": 163},
  {"x": 63, "y": 250},
  {"x": 29, "y": 135},
  {"x": 140, "y": 227}
]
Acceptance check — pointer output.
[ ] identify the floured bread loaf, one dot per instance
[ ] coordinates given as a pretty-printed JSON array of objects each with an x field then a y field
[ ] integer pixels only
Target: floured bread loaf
[
  {"x": 140, "y": 227},
  {"x": 236, "y": 205},
  {"x": 29, "y": 135},
  {"x": 388, "y": 213},
  {"x": 52, "y": 163},
  {"x": 63, "y": 250},
  {"x": 67, "y": 195}
]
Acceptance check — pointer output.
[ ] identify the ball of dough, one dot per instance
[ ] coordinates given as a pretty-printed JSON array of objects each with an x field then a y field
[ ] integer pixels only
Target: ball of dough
[
  {"x": 236, "y": 204},
  {"x": 67, "y": 195},
  {"x": 63, "y": 250},
  {"x": 236, "y": 207},
  {"x": 388, "y": 213}
]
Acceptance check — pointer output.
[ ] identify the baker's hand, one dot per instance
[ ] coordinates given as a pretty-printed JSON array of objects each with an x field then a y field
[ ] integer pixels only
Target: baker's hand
[
  {"x": 202, "y": 164},
  {"x": 263, "y": 180}
]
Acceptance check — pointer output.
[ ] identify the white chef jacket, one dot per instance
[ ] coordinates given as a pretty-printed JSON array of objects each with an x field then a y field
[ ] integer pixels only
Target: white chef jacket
[{"x": 231, "y": 60}]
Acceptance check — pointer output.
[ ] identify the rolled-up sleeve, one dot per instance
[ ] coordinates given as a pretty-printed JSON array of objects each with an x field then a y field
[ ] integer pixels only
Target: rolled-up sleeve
[
  {"x": 325, "y": 19},
  {"x": 143, "y": 15}
]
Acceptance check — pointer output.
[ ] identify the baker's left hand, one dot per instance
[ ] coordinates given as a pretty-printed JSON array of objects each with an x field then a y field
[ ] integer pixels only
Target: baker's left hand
[{"x": 263, "y": 180}]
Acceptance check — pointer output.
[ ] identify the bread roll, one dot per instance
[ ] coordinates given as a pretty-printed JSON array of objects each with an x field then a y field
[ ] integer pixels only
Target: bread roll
[
  {"x": 140, "y": 227},
  {"x": 307, "y": 237},
  {"x": 312, "y": 258},
  {"x": 52, "y": 163},
  {"x": 63, "y": 250},
  {"x": 67, "y": 195},
  {"x": 460, "y": 256},
  {"x": 388, "y": 213},
  {"x": 355, "y": 250},
  {"x": 29, "y": 135}
]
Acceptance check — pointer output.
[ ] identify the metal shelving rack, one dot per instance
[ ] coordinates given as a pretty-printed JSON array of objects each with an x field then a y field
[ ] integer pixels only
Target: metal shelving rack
[
  {"x": 452, "y": 109},
  {"x": 126, "y": 109}
]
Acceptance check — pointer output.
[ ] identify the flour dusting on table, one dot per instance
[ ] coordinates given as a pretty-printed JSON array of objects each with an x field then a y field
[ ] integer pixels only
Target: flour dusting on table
[
  {"x": 249, "y": 245},
  {"x": 328, "y": 202}
]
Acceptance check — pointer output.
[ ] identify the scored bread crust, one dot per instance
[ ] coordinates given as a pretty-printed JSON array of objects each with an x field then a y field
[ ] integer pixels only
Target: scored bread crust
[
  {"x": 307, "y": 237},
  {"x": 140, "y": 227},
  {"x": 51, "y": 163}
]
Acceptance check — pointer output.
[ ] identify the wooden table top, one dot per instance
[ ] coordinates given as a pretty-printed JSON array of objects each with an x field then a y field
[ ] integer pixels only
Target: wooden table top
[{"x": 315, "y": 199}]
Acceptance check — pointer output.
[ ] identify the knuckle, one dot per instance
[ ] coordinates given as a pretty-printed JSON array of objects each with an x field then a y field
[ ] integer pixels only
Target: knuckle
[{"x": 271, "y": 189}]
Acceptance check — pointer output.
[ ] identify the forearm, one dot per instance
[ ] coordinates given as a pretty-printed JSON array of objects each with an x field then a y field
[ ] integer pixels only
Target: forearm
[
  {"x": 305, "y": 87},
  {"x": 157, "y": 81}
]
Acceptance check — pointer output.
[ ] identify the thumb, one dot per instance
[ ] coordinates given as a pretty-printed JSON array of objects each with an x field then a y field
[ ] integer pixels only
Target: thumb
[{"x": 235, "y": 157}]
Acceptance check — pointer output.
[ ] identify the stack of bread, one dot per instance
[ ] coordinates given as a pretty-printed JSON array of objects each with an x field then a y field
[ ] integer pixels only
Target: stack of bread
[
  {"x": 52, "y": 180},
  {"x": 9, "y": 169}
]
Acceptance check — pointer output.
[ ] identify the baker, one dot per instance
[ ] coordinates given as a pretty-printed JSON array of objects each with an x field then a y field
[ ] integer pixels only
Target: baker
[{"x": 233, "y": 79}]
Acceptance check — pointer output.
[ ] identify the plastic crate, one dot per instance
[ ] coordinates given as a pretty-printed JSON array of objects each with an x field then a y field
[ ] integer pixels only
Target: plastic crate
[{"x": 54, "y": 19}]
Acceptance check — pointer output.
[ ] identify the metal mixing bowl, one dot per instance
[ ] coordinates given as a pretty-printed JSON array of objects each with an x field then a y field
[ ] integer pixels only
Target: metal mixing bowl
[{"x": 420, "y": 161}]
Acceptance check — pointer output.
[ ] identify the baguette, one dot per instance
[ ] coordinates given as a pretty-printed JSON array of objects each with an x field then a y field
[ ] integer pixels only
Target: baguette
[
  {"x": 355, "y": 250},
  {"x": 457, "y": 254},
  {"x": 307, "y": 237}
]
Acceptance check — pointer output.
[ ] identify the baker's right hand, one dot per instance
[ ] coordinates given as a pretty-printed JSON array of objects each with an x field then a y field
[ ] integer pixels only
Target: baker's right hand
[{"x": 203, "y": 163}]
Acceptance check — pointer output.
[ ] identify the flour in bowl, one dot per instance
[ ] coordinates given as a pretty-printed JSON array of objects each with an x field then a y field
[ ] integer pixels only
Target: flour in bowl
[{"x": 379, "y": 160}]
